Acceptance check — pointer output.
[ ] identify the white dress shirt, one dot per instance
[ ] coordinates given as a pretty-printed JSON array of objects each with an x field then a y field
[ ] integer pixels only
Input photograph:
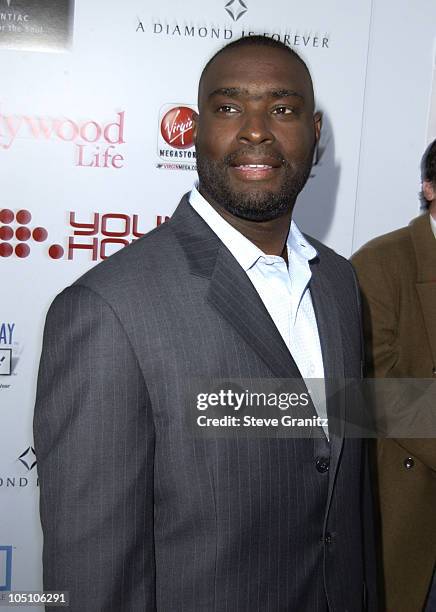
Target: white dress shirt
[
  {"x": 283, "y": 289},
  {"x": 433, "y": 225}
]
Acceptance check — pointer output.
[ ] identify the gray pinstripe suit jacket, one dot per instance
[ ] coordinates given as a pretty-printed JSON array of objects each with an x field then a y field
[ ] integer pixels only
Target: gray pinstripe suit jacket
[{"x": 136, "y": 514}]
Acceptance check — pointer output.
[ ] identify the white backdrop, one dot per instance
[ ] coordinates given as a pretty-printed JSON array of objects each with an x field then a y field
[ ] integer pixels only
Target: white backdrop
[{"x": 83, "y": 157}]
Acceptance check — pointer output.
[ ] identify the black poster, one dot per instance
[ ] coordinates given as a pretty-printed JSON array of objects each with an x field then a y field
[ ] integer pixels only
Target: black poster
[{"x": 36, "y": 25}]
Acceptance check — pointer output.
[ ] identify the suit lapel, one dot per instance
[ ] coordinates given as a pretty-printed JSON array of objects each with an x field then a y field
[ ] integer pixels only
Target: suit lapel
[
  {"x": 233, "y": 295},
  {"x": 231, "y": 292},
  {"x": 427, "y": 299},
  {"x": 424, "y": 244}
]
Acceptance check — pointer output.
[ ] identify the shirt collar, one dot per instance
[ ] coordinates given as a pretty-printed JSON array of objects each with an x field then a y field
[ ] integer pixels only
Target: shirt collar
[
  {"x": 433, "y": 224},
  {"x": 243, "y": 250},
  {"x": 298, "y": 244}
]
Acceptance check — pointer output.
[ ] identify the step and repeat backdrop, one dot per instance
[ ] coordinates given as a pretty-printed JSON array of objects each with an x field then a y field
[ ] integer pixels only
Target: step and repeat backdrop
[{"x": 96, "y": 149}]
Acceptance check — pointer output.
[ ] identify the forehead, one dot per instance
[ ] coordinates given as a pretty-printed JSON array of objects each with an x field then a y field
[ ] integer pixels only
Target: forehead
[{"x": 256, "y": 68}]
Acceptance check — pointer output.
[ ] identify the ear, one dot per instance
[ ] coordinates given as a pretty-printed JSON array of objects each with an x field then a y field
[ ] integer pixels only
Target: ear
[
  {"x": 317, "y": 123},
  {"x": 429, "y": 191},
  {"x": 195, "y": 118}
]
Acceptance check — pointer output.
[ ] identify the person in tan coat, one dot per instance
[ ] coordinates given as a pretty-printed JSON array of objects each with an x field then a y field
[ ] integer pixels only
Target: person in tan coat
[{"x": 397, "y": 276}]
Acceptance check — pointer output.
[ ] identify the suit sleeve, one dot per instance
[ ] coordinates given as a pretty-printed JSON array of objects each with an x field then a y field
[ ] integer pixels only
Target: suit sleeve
[
  {"x": 380, "y": 322},
  {"x": 94, "y": 442},
  {"x": 379, "y": 309}
]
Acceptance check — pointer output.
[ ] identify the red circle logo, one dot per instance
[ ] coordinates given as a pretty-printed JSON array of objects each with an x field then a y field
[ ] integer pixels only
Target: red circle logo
[{"x": 176, "y": 127}]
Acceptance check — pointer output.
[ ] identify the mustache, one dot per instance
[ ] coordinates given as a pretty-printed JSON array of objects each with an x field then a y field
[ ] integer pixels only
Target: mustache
[{"x": 253, "y": 150}]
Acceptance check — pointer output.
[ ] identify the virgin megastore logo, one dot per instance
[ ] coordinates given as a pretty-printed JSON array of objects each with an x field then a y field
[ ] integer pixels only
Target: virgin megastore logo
[
  {"x": 96, "y": 144},
  {"x": 98, "y": 236},
  {"x": 168, "y": 27},
  {"x": 45, "y": 25},
  {"x": 175, "y": 142}
]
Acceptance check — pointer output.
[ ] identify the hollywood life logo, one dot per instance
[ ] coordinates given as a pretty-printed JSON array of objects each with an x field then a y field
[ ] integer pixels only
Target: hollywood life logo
[
  {"x": 5, "y": 568},
  {"x": 175, "y": 142},
  {"x": 96, "y": 143},
  {"x": 100, "y": 236},
  {"x": 25, "y": 474},
  {"x": 44, "y": 26},
  {"x": 235, "y": 9}
]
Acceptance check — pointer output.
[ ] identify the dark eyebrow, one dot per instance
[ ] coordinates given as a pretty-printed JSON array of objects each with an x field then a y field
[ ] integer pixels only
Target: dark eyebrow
[
  {"x": 285, "y": 93},
  {"x": 237, "y": 92},
  {"x": 229, "y": 92}
]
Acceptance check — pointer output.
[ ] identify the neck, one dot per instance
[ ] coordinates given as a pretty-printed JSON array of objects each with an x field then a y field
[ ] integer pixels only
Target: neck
[
  {"x": 269, "y": 236},
  {"x": 432, "y": 209}
]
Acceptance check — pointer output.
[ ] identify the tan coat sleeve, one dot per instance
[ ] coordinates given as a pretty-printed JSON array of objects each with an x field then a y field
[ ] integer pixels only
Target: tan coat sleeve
[
  {"x": 380, "y": 307},
  {"x": 380, "y": 315}
]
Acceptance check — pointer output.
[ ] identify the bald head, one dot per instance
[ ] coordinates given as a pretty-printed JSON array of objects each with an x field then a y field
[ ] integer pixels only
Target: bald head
[{"x": 261, "y": 45}]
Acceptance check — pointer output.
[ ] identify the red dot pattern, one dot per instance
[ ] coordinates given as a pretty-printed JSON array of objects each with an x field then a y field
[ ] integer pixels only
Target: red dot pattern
[
  {"x": 56, "y": 251},
  {"x": 24, "y": 217},
  {"x": 6, "y": 232},
  {"x": 22, "y": 250},
  {"x": 22, "y": 234},
  {"x": 6, "y": 216},
  {"x": 5, "y": 249},
  {"x": 40, "y": 234}
]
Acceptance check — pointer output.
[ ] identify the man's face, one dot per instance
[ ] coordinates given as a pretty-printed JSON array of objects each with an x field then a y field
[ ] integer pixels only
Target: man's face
[
  {"x": 429, "y": 190},
  {"x": 256, "y": 132}
]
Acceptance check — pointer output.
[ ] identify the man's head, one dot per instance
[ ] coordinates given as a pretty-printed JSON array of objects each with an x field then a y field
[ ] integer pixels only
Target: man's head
[
  {"x": 256, "y": 130},
  {"x": 429, "y": 176}
]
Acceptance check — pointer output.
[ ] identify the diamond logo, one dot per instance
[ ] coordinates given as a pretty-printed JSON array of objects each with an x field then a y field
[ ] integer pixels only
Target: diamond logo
[
  {"x": 236, "y": 8},
  {"x": 28, "y": 458}
]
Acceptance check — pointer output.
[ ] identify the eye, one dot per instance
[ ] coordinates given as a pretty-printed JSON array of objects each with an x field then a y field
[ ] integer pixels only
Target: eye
[
  {"x": 227, "y": 109},
  {"x": 283, "y": 110}
]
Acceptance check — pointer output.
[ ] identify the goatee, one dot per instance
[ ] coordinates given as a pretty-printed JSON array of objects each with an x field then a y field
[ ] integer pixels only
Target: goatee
[{"x": 256, "y": 205}]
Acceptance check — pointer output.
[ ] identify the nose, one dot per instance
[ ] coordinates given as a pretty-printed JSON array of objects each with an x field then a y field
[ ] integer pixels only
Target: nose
[{"x": 255, "y": 129}]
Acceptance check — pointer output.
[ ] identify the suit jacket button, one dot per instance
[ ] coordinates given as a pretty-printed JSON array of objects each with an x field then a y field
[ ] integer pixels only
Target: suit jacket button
[
  {"x": 409, "y": 463},
  {"x": 328, "y": 538},
  {"x": 322, "y": 464}
]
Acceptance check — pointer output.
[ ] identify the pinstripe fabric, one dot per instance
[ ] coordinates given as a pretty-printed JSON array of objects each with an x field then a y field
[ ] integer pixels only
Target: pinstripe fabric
[
  {"x": 282, "y": 288},
  {"x": 139, "y": 515}
]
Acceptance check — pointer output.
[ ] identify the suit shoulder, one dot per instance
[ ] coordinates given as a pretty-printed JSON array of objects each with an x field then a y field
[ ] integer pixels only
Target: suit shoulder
[
  {"x": 151, "y": 251},
  {"x": 384, "y": 247}
]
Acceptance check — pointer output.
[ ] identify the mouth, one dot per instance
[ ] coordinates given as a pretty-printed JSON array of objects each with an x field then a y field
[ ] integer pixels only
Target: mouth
[{"x": 256, "y": 170}]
